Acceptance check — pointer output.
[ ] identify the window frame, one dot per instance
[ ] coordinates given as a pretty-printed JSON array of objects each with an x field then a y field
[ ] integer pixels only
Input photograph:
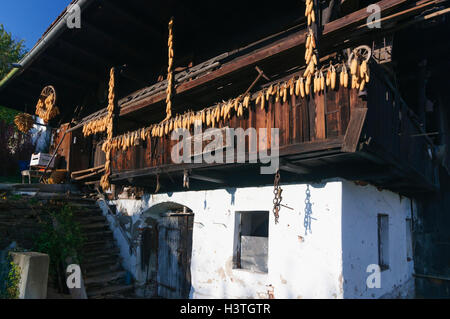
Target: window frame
[
  {"x": 383, "y": 241},
  {"x": 237, "y": 248}
]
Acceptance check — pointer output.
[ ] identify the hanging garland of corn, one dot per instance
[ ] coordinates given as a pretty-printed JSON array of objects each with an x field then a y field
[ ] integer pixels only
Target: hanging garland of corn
[
  {"x": 24, "y": 122},
  {"x": 312, "y": 80},
  {"x": 327, "y": 79},
  {"x": 360, "y": 73},
  {"x": 107, "y": 146},
  {"x": 298, "y": 86},
  {"x": 45, "y": 108},
  {"x": 170, "y": 72},
  {"x": 95, "y": 126},
  {"x": 311, "y": 55}
]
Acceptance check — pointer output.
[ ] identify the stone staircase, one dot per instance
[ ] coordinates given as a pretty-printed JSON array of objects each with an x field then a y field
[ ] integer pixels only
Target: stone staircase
[{"x": 103, "y": 274}]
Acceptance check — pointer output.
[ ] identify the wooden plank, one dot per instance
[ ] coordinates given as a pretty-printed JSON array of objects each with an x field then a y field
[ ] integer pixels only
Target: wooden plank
[
  {"x": 88, "y": 170},
  {"x": 312, "y": 117},
  {"x": 299, "y": 148},
  {"x": 80, "y": 178},
  {"x": 294, "y": 120},
  {"x": 320, "y": 129},
  {"x": 278, "y": 121},
  {"x": 253, "y": 124},
  {"x": 353, "y": 133},
  {"x": 253, "y": 58},
  {"x": 207, "y": 178},
  {"x": 332, "y": 113},
  {"x": 359, "y": 16},
  {"x": 287, "y": 132}
]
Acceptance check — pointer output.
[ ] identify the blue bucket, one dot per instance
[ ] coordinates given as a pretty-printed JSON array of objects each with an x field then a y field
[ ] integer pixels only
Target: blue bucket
[{"x": 24, "y": 165}]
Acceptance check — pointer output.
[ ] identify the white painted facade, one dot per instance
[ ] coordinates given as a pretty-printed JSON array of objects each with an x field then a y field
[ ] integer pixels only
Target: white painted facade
[{"x": 329, "y": 262}]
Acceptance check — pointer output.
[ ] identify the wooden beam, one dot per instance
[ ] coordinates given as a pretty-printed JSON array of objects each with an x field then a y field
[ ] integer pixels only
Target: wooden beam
[
  {"x": 89, "y": 170},
  {"x": 297, "y": 169},
  {"x": 130, "y": 52},
  {"x": 300, "y": 148},
  {"x": 67, "y": 67},
  {"x": 76, "y": 50},
  {"x": 80, "y": 178},
  {"x": 207, "y": 178},
  {"x": 143, "y": 27},
  {"x": 253, "y": 58},
  {"x": 58, "y": 79}
]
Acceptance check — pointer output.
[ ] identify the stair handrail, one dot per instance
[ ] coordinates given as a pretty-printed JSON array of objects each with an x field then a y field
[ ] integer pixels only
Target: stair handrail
[{"x": 117, "y": 222}]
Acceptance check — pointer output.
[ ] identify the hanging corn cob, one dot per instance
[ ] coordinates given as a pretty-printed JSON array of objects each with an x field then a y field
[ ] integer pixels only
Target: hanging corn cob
[
  {"x": 45, "y": 108},
  {"x": 95, "y": 126},
  {"x": 311, "y": 58},
  {"x": 24, "y": 122},
  {"x": 107, "y": 146},
  {"x": 170, "y": 72},
  {"x": 210, "y": 117}
]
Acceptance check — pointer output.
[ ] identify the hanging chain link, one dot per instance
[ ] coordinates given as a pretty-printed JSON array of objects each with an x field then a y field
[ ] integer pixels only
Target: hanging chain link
[
  {"x": 308, "y": 211},
  {"x": 186, "y": 179},
  {"x": 277, "y": 199}
]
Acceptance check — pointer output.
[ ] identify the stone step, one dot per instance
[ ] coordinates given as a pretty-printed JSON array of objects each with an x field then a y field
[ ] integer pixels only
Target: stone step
[
  {"x": 103, "y": 270},
  {"x": 98, "y": 293},
  {"x": 101, "y": 252},
  {"x": 90, "y": 219},
  {"x": 105, "y": 234},
  {"x": 98, "y": 243},
  {"x": 104, "y": 278},
  {"x": 96, "y": 225},
  {"x": 84, "y": 205},
  {"x": 98, "y": 265},
  {"x": 87, "y": 212},
  {"x": 100, "y": 257}
]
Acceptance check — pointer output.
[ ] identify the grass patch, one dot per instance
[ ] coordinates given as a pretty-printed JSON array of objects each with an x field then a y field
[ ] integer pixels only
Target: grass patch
[{"x": 10, "y": 179}]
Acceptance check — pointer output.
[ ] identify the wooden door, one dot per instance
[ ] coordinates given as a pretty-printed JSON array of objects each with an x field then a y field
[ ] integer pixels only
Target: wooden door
[
  {"x": 80, "y": 151},
  {"x": 174, "y": 256}
]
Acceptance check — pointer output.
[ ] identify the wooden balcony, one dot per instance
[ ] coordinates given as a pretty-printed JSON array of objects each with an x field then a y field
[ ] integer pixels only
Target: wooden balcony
[{"x": 371, "y": 138}]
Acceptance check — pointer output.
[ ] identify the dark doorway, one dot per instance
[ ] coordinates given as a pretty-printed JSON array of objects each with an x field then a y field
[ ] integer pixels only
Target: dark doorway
[{"x": 167, "y": 252}]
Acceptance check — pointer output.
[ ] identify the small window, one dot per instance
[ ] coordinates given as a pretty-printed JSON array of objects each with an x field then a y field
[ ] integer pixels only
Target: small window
[
  {"x": 383, "y": 241},
  {"x": 409, "y": 246},
  {"x": 251, "y": 241}
]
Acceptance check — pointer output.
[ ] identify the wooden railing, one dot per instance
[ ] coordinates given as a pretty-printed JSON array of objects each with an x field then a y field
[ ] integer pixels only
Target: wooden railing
[{"x": 324, "y": 117}]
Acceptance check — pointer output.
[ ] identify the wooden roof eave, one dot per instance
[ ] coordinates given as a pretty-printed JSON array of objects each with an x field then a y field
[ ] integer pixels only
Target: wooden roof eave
[
  {"x": 252, "y": 59},
  {"x": 141, "y": 100}
]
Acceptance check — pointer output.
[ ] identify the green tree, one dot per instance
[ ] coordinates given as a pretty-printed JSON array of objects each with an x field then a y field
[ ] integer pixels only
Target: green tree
[{"x": 11, "y": 51}]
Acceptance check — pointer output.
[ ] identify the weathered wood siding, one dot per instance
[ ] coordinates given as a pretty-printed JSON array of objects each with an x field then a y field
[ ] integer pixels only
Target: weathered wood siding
[
  {"x": 299, "y": 120},
  {"x": 395, "y": 133}
]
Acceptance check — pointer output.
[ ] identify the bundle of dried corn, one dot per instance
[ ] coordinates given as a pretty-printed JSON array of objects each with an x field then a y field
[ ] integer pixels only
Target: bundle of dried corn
[
  {"x": 107, "y": 146},
  {"x": 360, "y": 73},
  {"x": 24, "y": 122},
  {"x": 95, "y": 126},
  {"x": 298, "y": 86},
  {"x": 170, "y": 72},
  {"x": 45, "y": 108}
]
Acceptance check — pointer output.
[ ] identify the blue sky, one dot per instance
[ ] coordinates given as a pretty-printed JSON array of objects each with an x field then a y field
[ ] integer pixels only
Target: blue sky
[{"x": 28, "y": 19}]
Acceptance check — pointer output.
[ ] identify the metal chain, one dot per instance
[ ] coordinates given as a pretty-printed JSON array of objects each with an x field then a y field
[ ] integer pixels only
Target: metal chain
[
  {"x": 277, "y": 197},
  {"x": 186, "y": 179},
  {"x": 308, "y": 211}
]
